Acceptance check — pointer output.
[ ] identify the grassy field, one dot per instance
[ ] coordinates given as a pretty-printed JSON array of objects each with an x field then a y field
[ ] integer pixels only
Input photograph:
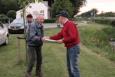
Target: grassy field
[{"x": 54, "y": 60}]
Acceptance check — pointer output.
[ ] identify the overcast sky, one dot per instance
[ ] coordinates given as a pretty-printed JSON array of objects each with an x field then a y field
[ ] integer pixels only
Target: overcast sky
[{"x": 101, "y": 5}]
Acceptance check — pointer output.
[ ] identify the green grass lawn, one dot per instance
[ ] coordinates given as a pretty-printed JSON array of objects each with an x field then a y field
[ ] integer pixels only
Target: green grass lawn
[{"x": 54, "y": 60}]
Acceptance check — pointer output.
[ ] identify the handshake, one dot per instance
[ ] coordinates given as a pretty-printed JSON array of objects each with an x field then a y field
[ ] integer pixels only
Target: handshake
[{"x": 47, "y": 39}]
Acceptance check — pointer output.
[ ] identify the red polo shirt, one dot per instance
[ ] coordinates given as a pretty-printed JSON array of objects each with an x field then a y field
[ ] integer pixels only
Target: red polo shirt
[{"x": 69, "y": 34}]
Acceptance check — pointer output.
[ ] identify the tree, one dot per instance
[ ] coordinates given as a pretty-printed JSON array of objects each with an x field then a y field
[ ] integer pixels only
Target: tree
[
  {"x": 62, "y": 5},
  {"x": 107, "y": 14},
  {"x": 3, "y": 18},
  {"x": 11, "y": 14},
  {"x": 5, "y": 6},
  {"x": 90, "y": 13},
  {"x": 77, "y": 4}
]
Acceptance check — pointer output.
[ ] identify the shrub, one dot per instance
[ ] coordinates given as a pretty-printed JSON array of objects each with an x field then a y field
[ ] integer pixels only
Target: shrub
[
  {"x": 113, "y": 23},
  {"x": 103, "y": 21},
  {"x": 11, "y": 14},
  {"x": 50, "y": 21},
  {"x": 98, "y": 40},
  {"x": 3, "y": 18}
]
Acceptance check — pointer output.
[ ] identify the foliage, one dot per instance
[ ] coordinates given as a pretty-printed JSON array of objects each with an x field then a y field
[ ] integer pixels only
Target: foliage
[
  {"x": 11, "y": 14},
  {"x": 3, "y": 18},
  {"x": 77, "y": 4},
  {"x": 90, "y": 13},
  {"x": 97, "y": 38},
  {"x": 103, "y": 21},
  {"x": 72, "y": 6},
  {"x": 107, "y": 14},
  {"x": 50, "y": 21},
  {"x": 62, "y": 5},
  {"x": 5, "y": 6},
  {"x": 113, "y": 23}
]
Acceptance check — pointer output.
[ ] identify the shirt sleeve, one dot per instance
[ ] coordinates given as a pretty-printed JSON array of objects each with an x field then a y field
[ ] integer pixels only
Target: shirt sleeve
[{"x": 57, "y": 36}]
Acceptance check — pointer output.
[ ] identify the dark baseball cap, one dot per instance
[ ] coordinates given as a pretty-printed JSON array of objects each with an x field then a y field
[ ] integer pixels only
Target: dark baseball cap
[{"x": 62, "y": 13}]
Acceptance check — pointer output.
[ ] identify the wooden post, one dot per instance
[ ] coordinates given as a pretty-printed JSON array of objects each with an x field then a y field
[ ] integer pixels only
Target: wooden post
[
  {"x": 18, "y": 52},
  {"x": 112, "y": 43},
  {"x": 25, "y": 33}
]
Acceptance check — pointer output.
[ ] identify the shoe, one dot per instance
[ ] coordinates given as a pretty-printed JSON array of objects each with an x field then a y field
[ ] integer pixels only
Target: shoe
[
  {"x": 28, "y": 75},
  {"x": 39, "y": 74}
]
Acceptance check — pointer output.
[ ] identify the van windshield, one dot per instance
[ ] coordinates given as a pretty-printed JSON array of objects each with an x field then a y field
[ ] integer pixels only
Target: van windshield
[{"x": 18, "y": 21}]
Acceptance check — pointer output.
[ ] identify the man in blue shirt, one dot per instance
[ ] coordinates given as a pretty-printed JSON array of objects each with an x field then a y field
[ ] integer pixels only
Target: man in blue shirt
[{"x": 34, "y": 41}]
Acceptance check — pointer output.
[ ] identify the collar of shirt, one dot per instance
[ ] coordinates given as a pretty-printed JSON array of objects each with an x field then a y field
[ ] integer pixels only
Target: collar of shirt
[
  {"x": 39, "y": 24},
  {"x": 65, "y": 21},
  {"x": 29, "y": 24}
]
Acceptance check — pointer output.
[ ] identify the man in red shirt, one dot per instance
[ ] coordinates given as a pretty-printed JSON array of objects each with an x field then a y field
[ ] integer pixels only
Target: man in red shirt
[{"x": 69, "y": 35}]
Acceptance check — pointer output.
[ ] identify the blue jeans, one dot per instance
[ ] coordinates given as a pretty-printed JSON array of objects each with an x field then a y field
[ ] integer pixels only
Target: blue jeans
[{"x": 72, "y": 61}]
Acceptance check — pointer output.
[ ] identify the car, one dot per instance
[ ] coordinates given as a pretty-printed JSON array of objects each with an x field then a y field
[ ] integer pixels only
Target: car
[
  {"x": 4, "y": 35},
  {"x": 17, "y": 26}
]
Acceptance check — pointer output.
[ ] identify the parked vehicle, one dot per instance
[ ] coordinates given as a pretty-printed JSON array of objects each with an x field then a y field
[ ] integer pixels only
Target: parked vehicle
[
  {"x": 17, "y": 26},
  {"x": 3, "y": 34}
]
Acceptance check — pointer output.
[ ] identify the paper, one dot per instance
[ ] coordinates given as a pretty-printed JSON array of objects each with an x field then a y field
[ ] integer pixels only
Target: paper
[{"x": 49, "y": 40}]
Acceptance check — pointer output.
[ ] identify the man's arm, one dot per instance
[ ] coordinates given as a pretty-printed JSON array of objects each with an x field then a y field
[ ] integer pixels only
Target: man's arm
[{"x": 57, "y": 36}]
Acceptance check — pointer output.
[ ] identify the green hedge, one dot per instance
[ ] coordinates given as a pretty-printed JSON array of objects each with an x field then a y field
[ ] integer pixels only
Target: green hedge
[
  {"x": 113, "y": 23},
  {"x": 106, "y": 21},
  {"x": 3, "y": 18},
  {"x": 50, "y": 21},
  {"x": 103, "y": 21}
]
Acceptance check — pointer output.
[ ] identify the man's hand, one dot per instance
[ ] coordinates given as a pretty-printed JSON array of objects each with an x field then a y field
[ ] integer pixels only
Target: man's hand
[
  {"x": 45, "y": 37},
  {"x": 59, "y": 41}
]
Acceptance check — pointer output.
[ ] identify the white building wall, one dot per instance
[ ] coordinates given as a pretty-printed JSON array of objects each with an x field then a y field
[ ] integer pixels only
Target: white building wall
[{"x": 35, "y": 9}]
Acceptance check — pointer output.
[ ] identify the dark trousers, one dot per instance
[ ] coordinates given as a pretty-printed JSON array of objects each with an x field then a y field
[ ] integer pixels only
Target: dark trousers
[
  {"x": 72, "y": 61},
  {"x": 34, "y": 56}
]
